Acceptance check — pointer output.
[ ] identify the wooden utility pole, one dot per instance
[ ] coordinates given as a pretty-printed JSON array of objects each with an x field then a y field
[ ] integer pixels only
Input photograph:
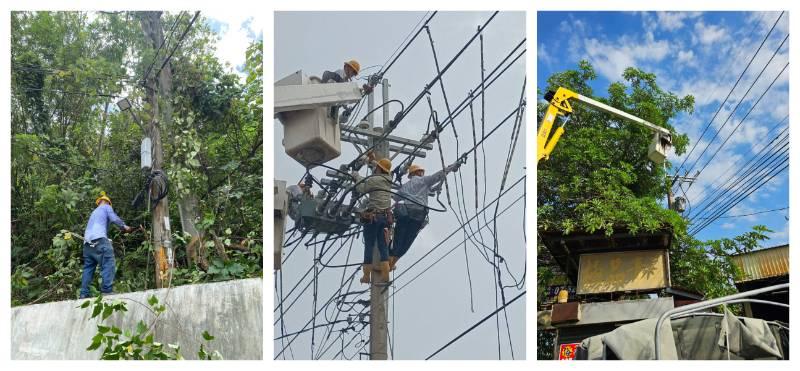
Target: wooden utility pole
[{"x": 158, "y": 81}]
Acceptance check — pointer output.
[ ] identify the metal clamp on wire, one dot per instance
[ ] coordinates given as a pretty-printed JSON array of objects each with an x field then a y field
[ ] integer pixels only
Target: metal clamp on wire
[{"x": 396, "y": 120}]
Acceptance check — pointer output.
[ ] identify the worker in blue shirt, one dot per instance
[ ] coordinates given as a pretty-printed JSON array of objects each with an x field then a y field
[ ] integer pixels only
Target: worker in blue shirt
[
  {"x": 411, "y": 207},
  {"x": 97, "y": 247}
]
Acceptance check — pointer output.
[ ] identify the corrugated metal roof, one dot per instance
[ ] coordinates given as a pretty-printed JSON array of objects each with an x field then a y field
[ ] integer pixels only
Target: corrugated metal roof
[{"x": 764, "y": 263}]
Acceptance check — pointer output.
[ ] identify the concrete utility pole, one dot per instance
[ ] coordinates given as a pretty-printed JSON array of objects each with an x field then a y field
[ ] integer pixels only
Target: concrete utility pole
[
  {"x": 671, "y": 204},
  {"x": 162, "y": 243},
  {"x": 378, "y": 323},
  {"x": 378, "y": 294}
]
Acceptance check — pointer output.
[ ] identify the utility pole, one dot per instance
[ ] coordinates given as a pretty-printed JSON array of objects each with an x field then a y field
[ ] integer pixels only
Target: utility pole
[
  {"x": 383, "y": 148},
  {"x": 378, "y": 294},
  {"x": 678, "y": 206},
  {"x": 162, "y": 243}
]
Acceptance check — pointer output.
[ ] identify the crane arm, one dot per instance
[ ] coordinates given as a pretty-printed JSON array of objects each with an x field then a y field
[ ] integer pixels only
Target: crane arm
[{"x": 560, "y": 106}]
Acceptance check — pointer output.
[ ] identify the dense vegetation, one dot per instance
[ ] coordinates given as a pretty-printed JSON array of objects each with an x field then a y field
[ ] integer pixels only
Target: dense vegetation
[
  {"x": 70, "y": 141},
  {"x": 600, "y": 179}
]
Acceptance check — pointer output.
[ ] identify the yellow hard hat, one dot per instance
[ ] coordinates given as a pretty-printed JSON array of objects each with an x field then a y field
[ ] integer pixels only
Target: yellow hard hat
[
  {"x": 102, "y": 197},
  {"x": 354, "y": 65},
  {"x": 385, "y": 164},
  {"x": 414, "y": 168}
]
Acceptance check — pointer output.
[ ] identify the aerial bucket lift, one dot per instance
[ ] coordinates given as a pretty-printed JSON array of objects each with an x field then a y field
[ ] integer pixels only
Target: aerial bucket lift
[
  {"x": 306, "y": 108},
  {"x": 560, "y": 105}
]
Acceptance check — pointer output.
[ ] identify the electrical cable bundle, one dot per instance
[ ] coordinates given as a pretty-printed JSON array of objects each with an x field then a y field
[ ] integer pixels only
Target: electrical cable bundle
[{"x": 156, "y": 182}]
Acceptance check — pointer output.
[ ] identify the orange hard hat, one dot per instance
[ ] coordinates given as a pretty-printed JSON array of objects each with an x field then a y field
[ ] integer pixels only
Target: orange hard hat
[
  {"x": 354, "y": 65},
  {"x": 385, "y": 164},
  {"x": 414, "y": 168}
]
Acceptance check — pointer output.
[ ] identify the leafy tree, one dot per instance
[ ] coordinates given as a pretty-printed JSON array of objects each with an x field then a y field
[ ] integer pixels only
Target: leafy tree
[
  {"x": 599, "y": 178},
  {"x": 69, "y": 141},
  {"x": 599, "y": 175}
]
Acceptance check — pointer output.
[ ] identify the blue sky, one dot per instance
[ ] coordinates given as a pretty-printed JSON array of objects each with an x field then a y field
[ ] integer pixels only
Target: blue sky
[
  {"x": 701, "y": 54},
  {"x": 236, "y": 29}
]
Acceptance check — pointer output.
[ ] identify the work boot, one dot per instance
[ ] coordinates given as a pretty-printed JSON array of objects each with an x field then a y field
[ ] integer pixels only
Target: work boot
[
  {"x": 392, "y": 262},
  {"x": 367, "y": 269},
  {"x": 385, "y": 271}
]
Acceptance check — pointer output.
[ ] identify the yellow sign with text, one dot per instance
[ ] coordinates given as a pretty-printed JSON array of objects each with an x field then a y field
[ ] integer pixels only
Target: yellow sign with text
[{"x": 622, "y": 271}]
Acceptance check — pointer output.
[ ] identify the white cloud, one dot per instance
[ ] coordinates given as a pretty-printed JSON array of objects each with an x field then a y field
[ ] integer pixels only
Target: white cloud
[
  {"x": 767, "y": 19},
  {"x": 708, "y": 34},
  {"x": 672, "y": 21},
  {"x": 236, "y": 36},
  {"x": 686, "y": 57},
  {"x": 728, "y": 226},
  {"x": 779, "y": 236},
  {"x": 543, "y": 55},
  {"x": 611, "y": 58}
]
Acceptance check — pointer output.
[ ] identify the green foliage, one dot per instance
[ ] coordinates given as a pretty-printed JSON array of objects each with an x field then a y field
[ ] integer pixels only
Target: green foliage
[
  {"x": 600, "y": 179},
  {"x": 66, "y": 147},
  {"x": 599, "y": 176},
  {"x": 138, "y": 343},
  {"x": 707, "y": 267}
]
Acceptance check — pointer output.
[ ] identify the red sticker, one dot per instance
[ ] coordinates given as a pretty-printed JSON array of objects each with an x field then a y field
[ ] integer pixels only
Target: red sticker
[{"x": 567, "y": 351}]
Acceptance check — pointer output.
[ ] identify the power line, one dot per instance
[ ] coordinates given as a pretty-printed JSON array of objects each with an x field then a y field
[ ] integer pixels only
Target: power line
[
  {"x": 388, "y": 64},
  {"x": 453, "y": 249},
  {"x": 722, "y": 103},
  {"x": 163, "y": 42},
  {"x": 759, "y": 99},
  {"x": 729, "y": 182},
  {"x": 52, "y": 70},
  {"x": 743, "y": 197},
  {"x": 343, "y": 306},
  {"x": 718, "y": 180},
  {"x": 751, "y": 173},
  {"x": 407, "y": 269},
  {"x": 399, "y": 117},
  {"x": 178, "y": 43},
  {"x": 741, "y": 101},
  {"x": 754, "y": 182},
  {"x": 751, "y": 214},
  {"x": 476, "y": 325},
  {"x": 78, "y": 93}
]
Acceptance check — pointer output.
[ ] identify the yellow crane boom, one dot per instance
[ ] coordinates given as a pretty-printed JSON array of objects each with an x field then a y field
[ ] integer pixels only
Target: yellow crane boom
[{"x": 560, "y": 105}]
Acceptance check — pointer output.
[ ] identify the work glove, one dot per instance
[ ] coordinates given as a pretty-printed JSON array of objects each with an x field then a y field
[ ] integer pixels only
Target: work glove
[
  {"x": 457, "y": 164},
  {"x": 454, "y": 167}
]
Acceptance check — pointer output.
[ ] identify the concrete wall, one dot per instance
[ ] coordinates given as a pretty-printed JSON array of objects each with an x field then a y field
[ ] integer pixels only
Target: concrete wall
[{"x": 231, "y": 311}]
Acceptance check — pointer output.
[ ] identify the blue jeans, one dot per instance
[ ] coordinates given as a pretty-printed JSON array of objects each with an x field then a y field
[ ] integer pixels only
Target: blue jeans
[
  {"x": 373, "y": 235},
  {"x": 406, "y": 230},
  {"x": 98, "y": 252}
]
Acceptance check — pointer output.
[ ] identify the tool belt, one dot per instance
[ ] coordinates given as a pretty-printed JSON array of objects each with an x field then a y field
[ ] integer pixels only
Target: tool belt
[
  {"x": 368, "y": 216},
  {"x": 414, "y": 212}
]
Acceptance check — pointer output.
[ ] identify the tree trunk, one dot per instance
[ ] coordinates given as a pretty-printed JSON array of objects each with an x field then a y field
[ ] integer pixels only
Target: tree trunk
[
  {"x": 219, "y": 247},
  {"x": 187, "y": 206}
]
